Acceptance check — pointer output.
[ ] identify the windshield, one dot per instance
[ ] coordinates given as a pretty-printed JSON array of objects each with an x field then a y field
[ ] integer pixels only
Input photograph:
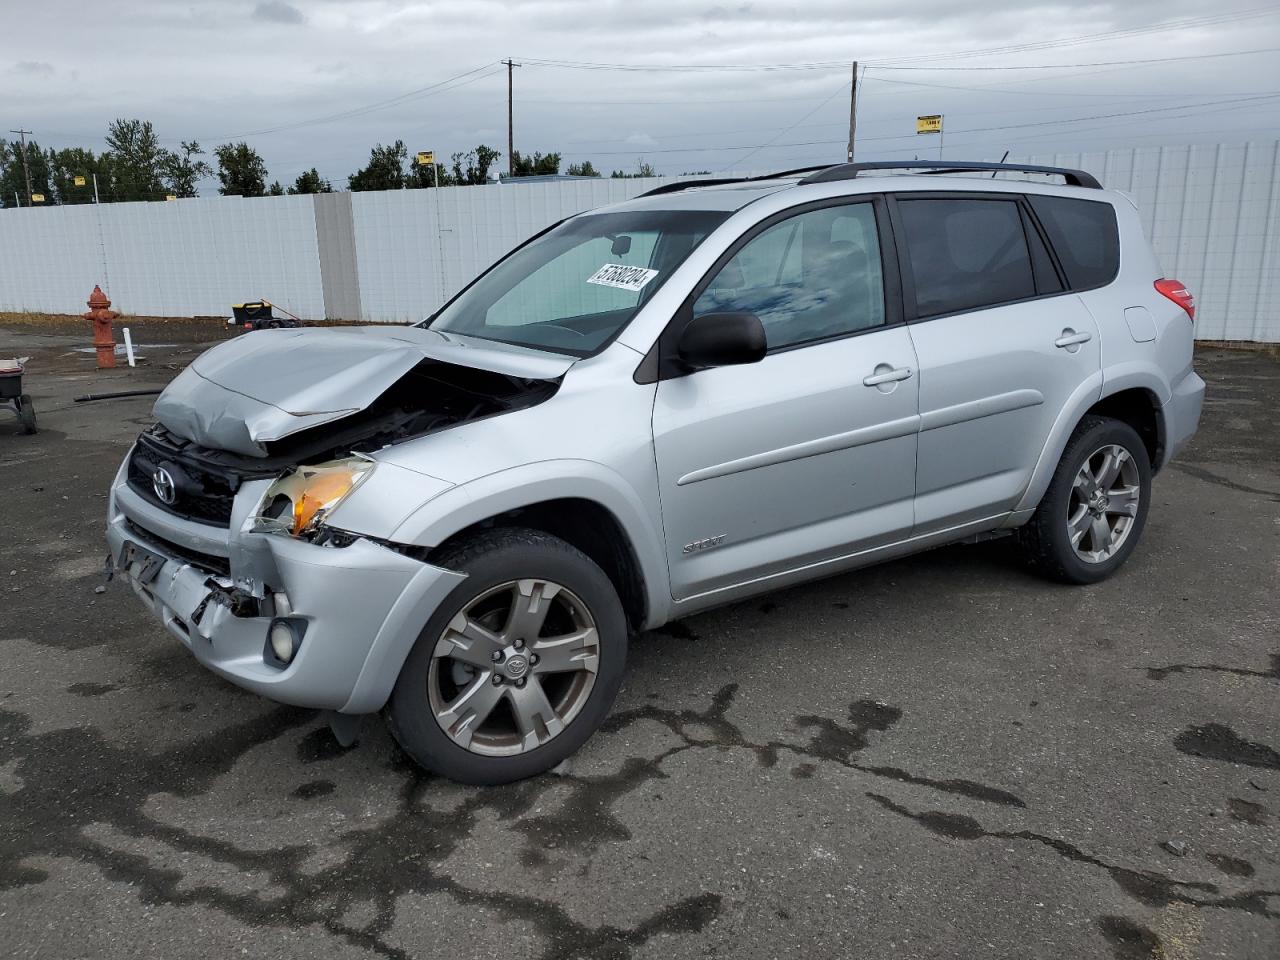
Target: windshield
[{"x": 575, "y": 287}]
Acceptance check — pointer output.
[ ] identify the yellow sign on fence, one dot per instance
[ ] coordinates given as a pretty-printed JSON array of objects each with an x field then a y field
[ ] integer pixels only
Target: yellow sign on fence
[
  {"x": 929, "y": 124},
  {"x": 426, "y": 158},
  {"x": 79, "y": 181},
  {"x": 37, "y": 198}
]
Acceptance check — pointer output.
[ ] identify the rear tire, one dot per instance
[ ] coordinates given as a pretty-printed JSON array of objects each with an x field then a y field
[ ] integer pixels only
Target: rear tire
[
  {"x": 518, "y": 666},
  {"x": 1093, "y": 513}
]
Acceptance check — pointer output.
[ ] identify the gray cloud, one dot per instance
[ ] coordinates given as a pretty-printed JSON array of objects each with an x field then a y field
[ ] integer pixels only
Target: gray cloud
[
  {"x": 197, "y": 72},
  {"x": 277, "y": 11},
  {"x": 34, "y": 67}
]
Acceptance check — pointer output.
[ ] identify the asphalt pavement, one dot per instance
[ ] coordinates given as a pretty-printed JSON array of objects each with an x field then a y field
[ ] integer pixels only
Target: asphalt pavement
[{"x": 938, "y": 757}]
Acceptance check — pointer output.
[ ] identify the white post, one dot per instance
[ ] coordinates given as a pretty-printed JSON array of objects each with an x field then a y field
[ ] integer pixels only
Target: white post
[
  {"x": 435, "y": 179},
  {"x": 942, "y": 132},
  {"x": 128, "y": 347},
  {"x": 95, "y": 188}
]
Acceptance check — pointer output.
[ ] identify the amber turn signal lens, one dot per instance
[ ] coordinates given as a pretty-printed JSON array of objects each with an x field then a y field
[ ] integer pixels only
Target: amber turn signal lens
[{"x": 323, "y": 490}]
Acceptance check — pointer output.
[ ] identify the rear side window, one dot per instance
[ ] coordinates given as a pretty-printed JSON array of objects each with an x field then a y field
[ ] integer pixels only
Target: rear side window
[
  {"x": 966, "y": 254},
  {"x": 1084, "y": 234}
]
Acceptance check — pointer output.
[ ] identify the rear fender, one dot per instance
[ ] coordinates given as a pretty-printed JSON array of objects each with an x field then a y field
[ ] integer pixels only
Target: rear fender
[{"x": 1081, "y": 399}]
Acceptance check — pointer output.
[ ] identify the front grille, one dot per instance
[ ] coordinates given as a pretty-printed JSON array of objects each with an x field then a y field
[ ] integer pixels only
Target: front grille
[
  {"x": 202, "y": 493},
  {"x": 205, "y": 561}
]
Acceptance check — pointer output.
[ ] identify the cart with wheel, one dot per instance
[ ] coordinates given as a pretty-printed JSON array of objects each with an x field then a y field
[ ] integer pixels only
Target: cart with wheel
[{"x": 11, "y": 394}]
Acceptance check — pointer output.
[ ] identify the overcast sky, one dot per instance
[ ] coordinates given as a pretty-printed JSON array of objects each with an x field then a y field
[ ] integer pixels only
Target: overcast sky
[{"x": 274, "y": 72}]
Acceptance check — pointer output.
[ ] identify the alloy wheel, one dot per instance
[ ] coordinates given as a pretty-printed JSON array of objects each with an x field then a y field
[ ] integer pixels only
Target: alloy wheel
[
  {"x": 514, "y": 667},
  {"x": 1103, "y": 503}
]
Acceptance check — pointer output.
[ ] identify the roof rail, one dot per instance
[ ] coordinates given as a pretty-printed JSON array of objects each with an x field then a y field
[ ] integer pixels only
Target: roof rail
[
  {"x": 848, "y": 171},
  {"x": 691, "y": 184}
]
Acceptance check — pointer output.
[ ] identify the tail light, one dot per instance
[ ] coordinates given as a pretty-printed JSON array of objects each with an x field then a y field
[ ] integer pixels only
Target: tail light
[{"x": 1177, "y": 292}]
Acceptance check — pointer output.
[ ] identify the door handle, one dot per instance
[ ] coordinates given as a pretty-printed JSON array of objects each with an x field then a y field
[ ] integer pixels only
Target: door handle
[
  {"x": 886, "y": 375},
  {"x": 1070, "y": 338}
]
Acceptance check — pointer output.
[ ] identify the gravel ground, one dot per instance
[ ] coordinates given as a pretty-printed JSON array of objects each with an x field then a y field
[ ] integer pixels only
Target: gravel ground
[{"x": 938, "y": 757}]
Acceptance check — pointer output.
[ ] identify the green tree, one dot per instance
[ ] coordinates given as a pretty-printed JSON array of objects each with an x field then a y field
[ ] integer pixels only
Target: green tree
[
  {"x": 583, "y": 169},
  {"x": 472, "y": 168},
  {"x": 275, "y": 190},
  {"x": 385, "y": 170},
  {"x": 65, "y": 165},
  {"x": 240, "y": 171},
  {"x": 310, "y": 181},
  {"x": 13, "y": 167},
  {"x": 536, "y": 165},
  {"x": 643, "y": 169},
  {"x": 422, "y": 177},
  {"x": 182, "y": 169},
  {"x": 137, "y": 161}
]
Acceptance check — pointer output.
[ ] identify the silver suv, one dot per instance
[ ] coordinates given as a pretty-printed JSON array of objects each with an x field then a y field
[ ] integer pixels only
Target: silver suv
[{"x": 714, "y": 390}]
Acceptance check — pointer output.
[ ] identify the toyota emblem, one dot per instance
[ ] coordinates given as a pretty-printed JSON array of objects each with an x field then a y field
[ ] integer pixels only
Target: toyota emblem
[{"x": 164, "y": 487}]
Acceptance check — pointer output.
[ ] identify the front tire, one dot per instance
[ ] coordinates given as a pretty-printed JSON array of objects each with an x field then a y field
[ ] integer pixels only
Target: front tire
[
  {"x": 1093, "y": 513},
  {"x": 517, "y": 667}
]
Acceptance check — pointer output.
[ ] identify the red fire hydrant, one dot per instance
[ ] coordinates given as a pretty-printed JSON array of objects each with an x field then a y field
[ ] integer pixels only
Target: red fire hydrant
[{"x": 101, "y": 318}]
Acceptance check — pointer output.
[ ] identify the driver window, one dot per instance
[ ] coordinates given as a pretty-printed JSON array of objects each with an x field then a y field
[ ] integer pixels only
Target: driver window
[
  {"x": 559, "y": 290},
  {"x": 809, "y": 277}
]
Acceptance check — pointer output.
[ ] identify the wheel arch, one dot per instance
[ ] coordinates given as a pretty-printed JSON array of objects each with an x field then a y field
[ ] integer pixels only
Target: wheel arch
[
  {"x": 1133, "y": 399},
  {"x": 591, "y": 509}
]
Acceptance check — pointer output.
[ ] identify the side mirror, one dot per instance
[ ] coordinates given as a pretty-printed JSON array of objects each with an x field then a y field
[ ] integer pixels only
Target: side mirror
[{"x": 721, "y": 340}]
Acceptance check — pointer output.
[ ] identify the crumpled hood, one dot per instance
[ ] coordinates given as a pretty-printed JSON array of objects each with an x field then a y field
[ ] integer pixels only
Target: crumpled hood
[{"x": 270, "y": 384}]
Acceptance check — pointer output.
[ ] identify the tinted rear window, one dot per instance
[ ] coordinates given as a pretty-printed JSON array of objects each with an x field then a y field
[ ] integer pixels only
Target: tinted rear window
[
  {"x": 1084, "y": 234},
  {"x": 966, "y": 254}
]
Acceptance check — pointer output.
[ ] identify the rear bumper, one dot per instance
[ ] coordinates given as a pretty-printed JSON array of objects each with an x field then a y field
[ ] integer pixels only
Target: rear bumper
[
  {"x": 1182, "y": 414},
  {"x": 363, "y": 605}
]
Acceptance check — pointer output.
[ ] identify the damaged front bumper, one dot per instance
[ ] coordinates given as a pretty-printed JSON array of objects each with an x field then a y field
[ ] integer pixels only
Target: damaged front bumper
[{"x": 217, "y": 590}]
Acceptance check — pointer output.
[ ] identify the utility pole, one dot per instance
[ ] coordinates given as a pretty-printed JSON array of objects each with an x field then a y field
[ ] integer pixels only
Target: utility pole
[
  {"x": 26, "y": 168},
  {"x": 511, "y": 136},
  {"x": 853, "y": 109}
]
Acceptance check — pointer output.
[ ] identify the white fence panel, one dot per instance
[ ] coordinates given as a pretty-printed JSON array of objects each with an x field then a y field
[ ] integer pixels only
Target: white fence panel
[
  {"x": 408, "y": 266},
  {"x": 1212, "y": 214},
  {"x": 197, "y": 257},
  {"x": 49, "y": 259}
]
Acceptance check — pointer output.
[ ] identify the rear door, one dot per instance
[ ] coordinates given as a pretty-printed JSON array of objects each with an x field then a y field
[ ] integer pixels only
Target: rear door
[
  {"x": 1001, "y": 347},
  {"x": 810, "y": 453}
]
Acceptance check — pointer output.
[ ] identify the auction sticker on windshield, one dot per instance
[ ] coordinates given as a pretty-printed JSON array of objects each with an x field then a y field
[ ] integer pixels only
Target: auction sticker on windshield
[{"x": 619, "y": 275}]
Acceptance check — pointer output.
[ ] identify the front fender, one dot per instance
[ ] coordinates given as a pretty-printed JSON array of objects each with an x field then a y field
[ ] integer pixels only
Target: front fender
[{"x": 496, "y": 493}]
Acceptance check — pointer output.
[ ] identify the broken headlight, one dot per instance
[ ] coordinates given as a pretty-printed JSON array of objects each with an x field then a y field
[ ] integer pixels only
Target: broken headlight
[{"x": 297, "y": 502}]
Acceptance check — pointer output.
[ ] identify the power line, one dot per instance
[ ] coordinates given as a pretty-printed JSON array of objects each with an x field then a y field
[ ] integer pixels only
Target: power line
[
  {"x": 430, "y": 89},
  {"x": 1180, "y": 24},
  {"x": 1099, "y": 63},
  {"x": 1050, "y": 93},
  {"x": 1180, "y": 110},
  {"x": 756, "y": 150},
  {"x": 873, "y": 64}
]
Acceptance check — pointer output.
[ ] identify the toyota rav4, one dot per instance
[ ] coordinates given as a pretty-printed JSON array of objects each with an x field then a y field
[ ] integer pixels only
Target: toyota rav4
[{"x": 714, "y": 390}]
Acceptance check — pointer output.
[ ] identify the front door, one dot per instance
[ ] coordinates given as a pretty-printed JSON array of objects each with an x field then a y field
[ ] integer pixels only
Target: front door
[{"x": 810, "y": 453}]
